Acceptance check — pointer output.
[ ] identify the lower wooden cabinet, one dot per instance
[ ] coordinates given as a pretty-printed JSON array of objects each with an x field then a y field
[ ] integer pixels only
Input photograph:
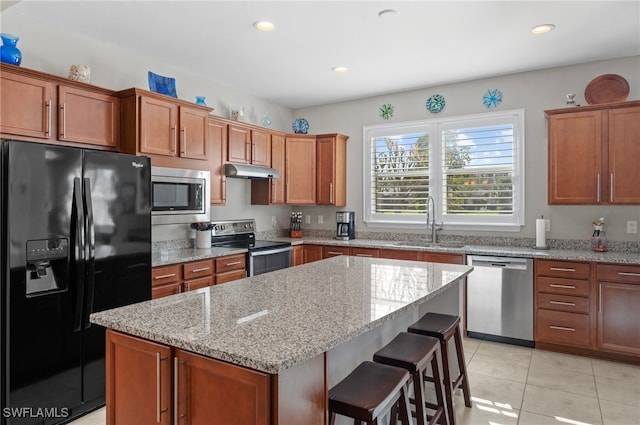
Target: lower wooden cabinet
[
  {"x": 398, "y": 254},
  {"x": 312, "y": 253},
  {"x": 146, "y": 381},
  {"x": 618, "y": 327},
  {"x": 230, "y": 267},
  {"x": 334, "y": 251},
  {"x": 297, "y": 255},
  {"x": 365, "y": 252}
]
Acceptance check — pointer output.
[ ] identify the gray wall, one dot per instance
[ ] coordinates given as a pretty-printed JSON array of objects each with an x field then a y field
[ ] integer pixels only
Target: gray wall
[{"x": 535, "y": 92}]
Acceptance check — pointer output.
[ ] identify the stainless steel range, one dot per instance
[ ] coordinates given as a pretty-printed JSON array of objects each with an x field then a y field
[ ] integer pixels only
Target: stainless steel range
[{"x": 262, "y": 256}]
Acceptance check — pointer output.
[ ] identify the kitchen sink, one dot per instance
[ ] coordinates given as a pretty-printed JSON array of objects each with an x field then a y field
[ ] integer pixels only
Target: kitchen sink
[{"x": 425, "y": 244}]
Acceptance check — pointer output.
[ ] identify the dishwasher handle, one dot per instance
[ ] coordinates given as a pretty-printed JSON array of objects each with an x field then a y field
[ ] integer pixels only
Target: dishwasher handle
[{"x": 498, "y": 262}]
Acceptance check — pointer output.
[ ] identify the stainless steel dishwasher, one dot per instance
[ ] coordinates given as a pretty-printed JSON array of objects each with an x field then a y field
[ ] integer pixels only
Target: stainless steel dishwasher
[{"x": 500, "y": 299}]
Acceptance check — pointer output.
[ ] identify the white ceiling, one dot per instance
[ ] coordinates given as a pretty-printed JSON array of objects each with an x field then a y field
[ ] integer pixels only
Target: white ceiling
[{"x": 426, "y": 43}]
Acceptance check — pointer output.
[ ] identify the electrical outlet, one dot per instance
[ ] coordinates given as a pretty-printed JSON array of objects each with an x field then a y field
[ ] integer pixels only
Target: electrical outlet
[
  {"x": 320, "y": 219},
  {"x": 547, "y": 224},
  {"x": 274, "y": 221},
  {"x": 307, "y": 219},
  {"x": 632, "y": 226}
]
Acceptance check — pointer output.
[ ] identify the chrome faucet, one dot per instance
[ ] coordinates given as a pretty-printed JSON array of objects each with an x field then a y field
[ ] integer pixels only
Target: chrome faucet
[{"x": 432, "y": 225}]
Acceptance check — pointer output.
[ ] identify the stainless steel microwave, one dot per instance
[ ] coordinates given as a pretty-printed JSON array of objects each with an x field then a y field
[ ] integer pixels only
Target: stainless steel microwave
[{"x": 180, "y": 196}]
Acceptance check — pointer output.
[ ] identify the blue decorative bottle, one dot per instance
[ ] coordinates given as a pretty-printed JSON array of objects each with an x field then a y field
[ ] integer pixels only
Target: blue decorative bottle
[{"x": 9, "y": 53}]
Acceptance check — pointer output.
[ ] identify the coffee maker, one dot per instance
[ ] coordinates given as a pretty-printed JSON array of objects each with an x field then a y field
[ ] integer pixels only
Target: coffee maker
[{"x": 346, "y": 225}]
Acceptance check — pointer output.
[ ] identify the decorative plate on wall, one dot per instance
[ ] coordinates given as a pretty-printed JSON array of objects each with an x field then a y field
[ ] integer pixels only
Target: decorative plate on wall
[
  {"x": 300, "y": 126},
  {"x": 492, "y": 98},
  {"x": 435, "y": 103},
  {"x": 162, "y": 85},
  {"x": 386, "y": 111},
  {"x": 607, "y": 88}
]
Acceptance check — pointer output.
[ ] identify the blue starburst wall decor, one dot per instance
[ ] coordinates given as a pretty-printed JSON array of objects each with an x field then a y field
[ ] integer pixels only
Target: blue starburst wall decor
[
  {"x": 492, "y": 98},
  {"x": 386, "y": 111}
]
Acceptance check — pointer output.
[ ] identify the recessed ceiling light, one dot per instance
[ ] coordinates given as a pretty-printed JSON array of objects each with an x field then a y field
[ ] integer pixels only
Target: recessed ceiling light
[
  {"x": 387, "y": 12},
  {"x": 542, "y": 29},
  {"x": 264, "y": 25},
  {"x": 340, "y": 69}
]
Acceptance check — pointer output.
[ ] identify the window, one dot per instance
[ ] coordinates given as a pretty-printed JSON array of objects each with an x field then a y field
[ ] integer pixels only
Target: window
[{"x": 472, "y": 166}]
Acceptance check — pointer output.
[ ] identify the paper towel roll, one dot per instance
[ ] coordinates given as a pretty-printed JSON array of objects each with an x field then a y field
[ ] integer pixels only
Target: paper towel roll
[{"x": 541, "y": 237}]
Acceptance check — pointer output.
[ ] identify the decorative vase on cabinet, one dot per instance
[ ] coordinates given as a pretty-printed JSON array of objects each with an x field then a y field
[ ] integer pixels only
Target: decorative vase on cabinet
[{"x": 9, "y": 53}]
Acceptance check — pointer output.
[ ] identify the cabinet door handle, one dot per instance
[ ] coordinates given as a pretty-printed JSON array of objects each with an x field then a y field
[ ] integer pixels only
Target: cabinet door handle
[
  {"x": 234, "y": 263},
  {"x": 599, "y": 298},
  {"x": 331, "y": 193},
  {"x": 555, "y": 285},
  {"x": 611, "y": 185},
  {"x": 628, "y": 274},
  {"x": 364, "y": 255},
  {"x": 598, "y": 188},
  {"x": 183, "y": 145},
  {"x": 334, "y": 253},
  {"x": 175, "y": 137},
  {"x": 561, "y": 303},
  {"x": 562, "y": 328},
  {"x": 63, "y": 111},
  {"x": 561, "y": 269},
  {"x": 203, "y": 269},
  {"x": 158, "y": 408},
  {"x": 48, "y": 125},
  {"x": 164, "y": 276}
]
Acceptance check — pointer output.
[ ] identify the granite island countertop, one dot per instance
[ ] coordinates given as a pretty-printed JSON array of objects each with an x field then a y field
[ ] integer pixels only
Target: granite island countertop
[{"x": 275, "y": 320}]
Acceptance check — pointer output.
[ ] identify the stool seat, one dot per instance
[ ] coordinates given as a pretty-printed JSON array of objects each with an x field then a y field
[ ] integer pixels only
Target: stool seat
[
  {"x": 445, "y": 327},
  {"x": 415, "y": 353},
  {"x": 369, "y": 392}
]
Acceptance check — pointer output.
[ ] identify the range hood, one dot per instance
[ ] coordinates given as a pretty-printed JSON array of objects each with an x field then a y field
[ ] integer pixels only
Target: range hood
[{"x": 246, "y": 171}]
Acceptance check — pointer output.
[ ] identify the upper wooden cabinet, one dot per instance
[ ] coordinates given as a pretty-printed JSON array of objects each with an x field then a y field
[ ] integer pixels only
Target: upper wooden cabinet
[
  {"x": 594, "y": 154},
  {"x": 164, "y": 128},
  {"x": 217, "y": 153},
  {"x": 300, "y": 170},
  {"x": 331, "y": 151},
  {"x": 271, "y": 191},
  {"x": 43, "y": 105},
  {"x": 249, "y": 145}
]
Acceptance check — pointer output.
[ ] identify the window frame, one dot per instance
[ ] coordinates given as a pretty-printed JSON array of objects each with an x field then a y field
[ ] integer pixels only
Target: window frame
[{"x": 435, "y": 127}]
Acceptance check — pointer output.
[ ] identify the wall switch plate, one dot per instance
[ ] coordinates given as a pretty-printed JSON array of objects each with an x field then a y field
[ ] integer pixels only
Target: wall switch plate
[
  {"x": 307, "y": 219},
  {"x": 320, "y": 219},
  {"x": 632, "y": 226},
  {"x": 274, "y": 221},
  {"x": 547, "y": 224}
]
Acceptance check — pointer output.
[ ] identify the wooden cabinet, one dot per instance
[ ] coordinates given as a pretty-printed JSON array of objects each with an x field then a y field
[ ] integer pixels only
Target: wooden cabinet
[
  {"x": 594, "y": 154},
  {"x": 248, "y": 145},
  {"x": 297, "y": 255},
  {"x": 176, "y": 278},
  {"x": 217, "y": 157},
  {"x": 271, "y": 191},
  {"x": 312, "y": 253},
  {"x": 300, "y": 170},
  {"x": 173, "y": 132},
  {"x": 42, "y": 106},
  {"x": 562, "y": 303},
  {"x": 230, "y": 267},
  {"x": 140, "y": 388},
  {"x": 331, "y": 182},
  {"x": 214, "y": 392},
  {"x": 618, "y": 327},
  {"x": 441, "y": 257},
  {"x": 138, "y": 381},
  {"x": 399, "y": 254},
  {"x": 365, "y": 252}
]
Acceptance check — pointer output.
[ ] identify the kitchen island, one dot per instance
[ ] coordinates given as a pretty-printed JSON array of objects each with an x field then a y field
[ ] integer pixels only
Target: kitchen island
[{"x": 264, "y": 349}]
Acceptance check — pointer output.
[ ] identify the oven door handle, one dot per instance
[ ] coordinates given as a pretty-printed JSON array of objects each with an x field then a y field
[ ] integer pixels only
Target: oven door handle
[{"x": 270, "y": 251}]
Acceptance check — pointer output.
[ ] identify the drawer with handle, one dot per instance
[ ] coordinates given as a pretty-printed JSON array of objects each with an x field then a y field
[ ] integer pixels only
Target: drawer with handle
[
  {"x": 567, "y": 269},
  {"x": 230, "y": 262},
  {"x": 562, "y": 286},
  {"x": 198, "y": 269},
  {"x": 561, "y": 327},
  {"x": 562, "y": 303},
  {"x": 618, "y": 273},
  {"x": 166, "y": 274}
]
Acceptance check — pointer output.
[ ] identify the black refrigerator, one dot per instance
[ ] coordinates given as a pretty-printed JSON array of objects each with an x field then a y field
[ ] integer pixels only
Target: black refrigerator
[{"x": 76, "y": 239}]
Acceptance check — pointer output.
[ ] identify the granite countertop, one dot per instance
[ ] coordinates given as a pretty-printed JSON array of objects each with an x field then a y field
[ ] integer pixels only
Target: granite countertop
[
  {"x": 514, "y": 251},
  {"x": 273, "y": 321}
]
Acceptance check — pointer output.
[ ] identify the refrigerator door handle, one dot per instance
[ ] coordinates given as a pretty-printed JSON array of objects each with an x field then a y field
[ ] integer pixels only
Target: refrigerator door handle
[
  {"x": 78, "y": 249},
  {"x": 90, "y": 252}
]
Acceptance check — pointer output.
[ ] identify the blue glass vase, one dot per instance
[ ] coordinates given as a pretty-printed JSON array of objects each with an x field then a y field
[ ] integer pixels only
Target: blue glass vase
[{"x": 9, "y": 53}]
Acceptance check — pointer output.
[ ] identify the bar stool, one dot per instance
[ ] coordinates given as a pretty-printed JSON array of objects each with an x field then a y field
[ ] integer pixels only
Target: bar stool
[
  {"x": 414, "y": 353},
  {"x": 444, "y": 327},
  {"x": 370, "y": 392}
]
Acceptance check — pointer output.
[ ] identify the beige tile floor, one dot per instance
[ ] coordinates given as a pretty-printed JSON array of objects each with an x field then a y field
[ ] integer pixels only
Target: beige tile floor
[{"x": 522, "y": 386}]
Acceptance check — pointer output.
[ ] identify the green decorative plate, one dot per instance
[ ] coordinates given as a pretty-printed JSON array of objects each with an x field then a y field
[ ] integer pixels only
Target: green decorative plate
[{"x": 435, "y": 103}]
